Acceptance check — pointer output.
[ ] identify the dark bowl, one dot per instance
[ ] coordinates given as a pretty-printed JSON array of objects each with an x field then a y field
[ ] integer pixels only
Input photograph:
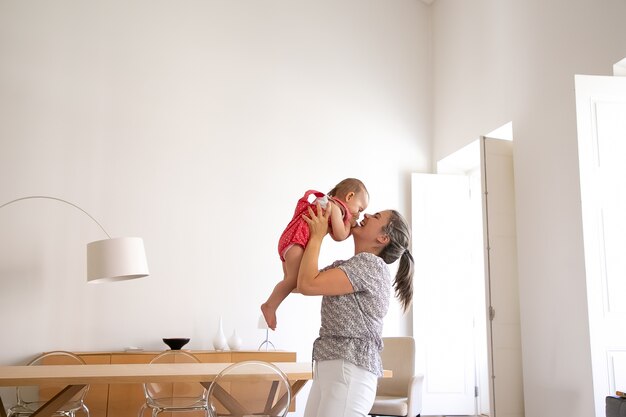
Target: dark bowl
[{"x": 176, "y": 343}]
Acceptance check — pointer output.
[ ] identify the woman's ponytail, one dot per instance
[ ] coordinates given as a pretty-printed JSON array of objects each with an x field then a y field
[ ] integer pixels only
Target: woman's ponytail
[{"x": 398, "y": 248}]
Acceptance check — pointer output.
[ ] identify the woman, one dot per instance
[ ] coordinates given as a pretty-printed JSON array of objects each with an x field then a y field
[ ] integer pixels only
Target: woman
[{"x": 356, "y": 299}]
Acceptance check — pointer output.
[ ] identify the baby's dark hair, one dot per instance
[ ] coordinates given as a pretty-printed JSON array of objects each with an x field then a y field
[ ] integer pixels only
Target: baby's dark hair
[
  {"x": 398, "y": 248},
  {"x": 349, "y": 185}
]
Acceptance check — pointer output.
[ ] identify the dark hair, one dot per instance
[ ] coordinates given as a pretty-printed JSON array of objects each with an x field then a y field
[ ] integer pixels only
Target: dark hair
[
  {"x": 398, "y": 248},
  {"x": 349, "y": 185}
]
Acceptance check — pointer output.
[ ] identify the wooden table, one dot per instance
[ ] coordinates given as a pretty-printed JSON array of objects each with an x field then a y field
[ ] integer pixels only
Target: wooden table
[
  {"x": 77, "y": 376},
  {"x": 124, "y": 400}
]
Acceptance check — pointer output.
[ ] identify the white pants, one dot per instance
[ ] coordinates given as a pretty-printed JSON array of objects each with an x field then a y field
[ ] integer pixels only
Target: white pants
[{"x": 340, "y": 389}]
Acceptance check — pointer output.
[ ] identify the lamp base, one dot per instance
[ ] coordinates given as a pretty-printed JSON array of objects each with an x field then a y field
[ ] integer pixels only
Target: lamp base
[{"x": 267, "y": 342}]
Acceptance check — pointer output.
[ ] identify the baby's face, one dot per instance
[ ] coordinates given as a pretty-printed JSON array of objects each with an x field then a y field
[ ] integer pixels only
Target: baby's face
[{"x": 357, "y": 204}]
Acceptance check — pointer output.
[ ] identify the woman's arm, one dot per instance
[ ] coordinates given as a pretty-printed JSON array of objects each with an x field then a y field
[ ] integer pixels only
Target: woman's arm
[{"x": 310, "y": 280}]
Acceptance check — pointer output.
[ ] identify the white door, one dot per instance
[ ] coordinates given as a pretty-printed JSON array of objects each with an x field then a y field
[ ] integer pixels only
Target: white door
[
  {"x": 443, "y": 308},
  {"x": 471, "y": 364},
  {"x": 505, "y": 347},
  {"x": 601, "y": 114}
]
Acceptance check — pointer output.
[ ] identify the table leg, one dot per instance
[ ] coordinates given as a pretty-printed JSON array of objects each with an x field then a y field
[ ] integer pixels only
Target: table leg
[
  {"x": 297, "y": 386},
  {"x": 3, "y": 412},
  {"x": 282, "y": 402},
  {"x": 235, "y": 408},
  {"x": 57, "y": 401},
  {"x": 270, "y": 396},
  {"x": 228, "y": 401}
]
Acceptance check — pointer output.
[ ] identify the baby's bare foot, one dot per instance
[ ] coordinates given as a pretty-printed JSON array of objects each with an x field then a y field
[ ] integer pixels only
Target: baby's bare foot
[{"x": 269, "y": 314}]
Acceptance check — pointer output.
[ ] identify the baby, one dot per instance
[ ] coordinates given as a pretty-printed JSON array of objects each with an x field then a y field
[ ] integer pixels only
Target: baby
[{"x": 349, "y": 198}]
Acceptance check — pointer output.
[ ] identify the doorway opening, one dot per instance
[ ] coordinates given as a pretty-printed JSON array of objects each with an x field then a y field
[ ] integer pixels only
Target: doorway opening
[{"x": 463, "y": 319}]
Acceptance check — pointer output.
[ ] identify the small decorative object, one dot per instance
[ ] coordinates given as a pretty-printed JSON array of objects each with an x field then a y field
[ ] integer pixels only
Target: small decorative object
[
  {"x": 176, "y": 343},
  {"x": 219, "y": 341},
  {"x": 266, "y": 342},
  {"x": 234, "y": 341},
  {"x": 133, "y": 349}
]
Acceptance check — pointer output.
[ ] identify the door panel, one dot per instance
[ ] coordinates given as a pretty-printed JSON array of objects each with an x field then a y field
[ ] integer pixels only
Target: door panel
[
  {"x": 507, "y": 394},
  {"x": 459, "y": 348},
  {"x": 442, "y": 310},
  {"x": 601, "y": 118}
]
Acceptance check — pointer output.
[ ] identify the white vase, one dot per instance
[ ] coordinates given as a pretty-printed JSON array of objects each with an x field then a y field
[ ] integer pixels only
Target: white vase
[
  {"x": 219, "y": 341},
  {"x": 234, "y": 341}
]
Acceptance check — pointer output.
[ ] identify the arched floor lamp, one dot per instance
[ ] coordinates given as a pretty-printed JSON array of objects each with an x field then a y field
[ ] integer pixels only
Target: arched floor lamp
[{"x": 111, "y": 259}]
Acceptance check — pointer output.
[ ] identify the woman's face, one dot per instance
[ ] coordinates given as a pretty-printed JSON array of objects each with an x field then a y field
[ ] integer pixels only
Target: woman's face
[{"x": 372, "y": 225}]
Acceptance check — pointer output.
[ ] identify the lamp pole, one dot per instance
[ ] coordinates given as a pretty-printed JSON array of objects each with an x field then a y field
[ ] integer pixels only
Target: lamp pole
[{"x": 61, "y": 200}]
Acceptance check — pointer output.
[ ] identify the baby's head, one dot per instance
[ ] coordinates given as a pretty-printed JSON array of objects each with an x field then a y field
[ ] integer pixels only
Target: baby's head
[{"x": 352, "y": 192}]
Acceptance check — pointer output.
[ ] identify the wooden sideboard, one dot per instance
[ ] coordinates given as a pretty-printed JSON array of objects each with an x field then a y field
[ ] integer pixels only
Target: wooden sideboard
[{"x": 125, "y": 400}]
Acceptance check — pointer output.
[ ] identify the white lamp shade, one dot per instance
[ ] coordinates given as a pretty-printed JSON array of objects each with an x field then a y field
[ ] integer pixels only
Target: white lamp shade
[{"x": 116, "y": 259}]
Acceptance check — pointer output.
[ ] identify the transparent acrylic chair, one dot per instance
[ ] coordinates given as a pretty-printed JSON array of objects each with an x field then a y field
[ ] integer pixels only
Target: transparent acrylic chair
[
  {"x": 174, "y": 396},
  {"x": 30, "y": 398},
  {"x": 250, "y": 388}
]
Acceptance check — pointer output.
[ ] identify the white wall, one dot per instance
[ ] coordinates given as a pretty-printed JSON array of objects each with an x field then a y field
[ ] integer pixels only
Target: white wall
[
  {"x": 195, "y": 125},
  {"x": 502, "y": 60}
]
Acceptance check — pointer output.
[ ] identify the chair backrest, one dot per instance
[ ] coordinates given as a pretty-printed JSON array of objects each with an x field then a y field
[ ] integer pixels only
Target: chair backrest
[
  {"x": 398, "y": 355},
  {"x": 156, "y": 391},
  {"x": 250, "y": 388},
  {"x": 42, "y": 393}
]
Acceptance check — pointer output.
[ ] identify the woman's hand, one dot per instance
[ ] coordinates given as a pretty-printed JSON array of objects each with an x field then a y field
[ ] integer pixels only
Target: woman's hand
[
  {"x": 318, "y": 222},
  {"x": 310, "y": 280}
]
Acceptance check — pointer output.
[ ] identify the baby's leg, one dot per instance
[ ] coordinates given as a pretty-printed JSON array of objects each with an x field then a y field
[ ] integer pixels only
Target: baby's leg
[{"x": 284, "y": 287}]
